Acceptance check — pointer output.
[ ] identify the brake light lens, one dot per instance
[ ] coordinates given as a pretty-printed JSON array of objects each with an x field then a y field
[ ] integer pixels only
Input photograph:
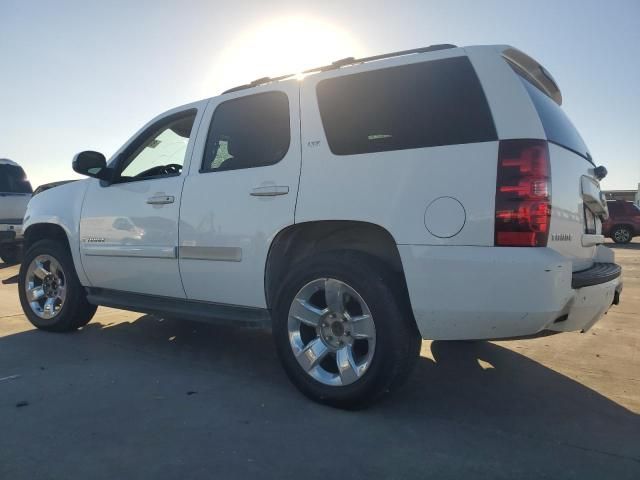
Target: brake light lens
[{"x": 523, "y": 194}]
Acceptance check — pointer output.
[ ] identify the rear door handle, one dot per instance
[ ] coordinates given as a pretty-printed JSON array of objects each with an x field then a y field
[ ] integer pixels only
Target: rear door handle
[
  {"x": 269, "y": 191},
  {"x": 161, "y": 199}
]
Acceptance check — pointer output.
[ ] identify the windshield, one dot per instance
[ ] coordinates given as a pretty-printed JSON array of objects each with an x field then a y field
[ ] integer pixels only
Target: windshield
[{"x": 13, "y": 180}]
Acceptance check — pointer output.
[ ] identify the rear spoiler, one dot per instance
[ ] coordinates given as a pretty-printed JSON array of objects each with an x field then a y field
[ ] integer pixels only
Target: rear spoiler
[{"x": 534, "y": 72}]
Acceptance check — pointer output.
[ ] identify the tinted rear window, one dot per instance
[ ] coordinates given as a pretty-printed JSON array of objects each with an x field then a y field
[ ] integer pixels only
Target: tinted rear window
[
  {"x": 557, "y": 126},
  {"x": 13, "y": 180},
  {"x": 419, "y": 105}
]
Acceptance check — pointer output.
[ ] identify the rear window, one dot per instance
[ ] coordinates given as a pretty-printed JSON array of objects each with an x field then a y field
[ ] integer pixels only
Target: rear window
[
  {"x": 13, "y": 180},
  {"x": 557, "y": 126},
  {"x": 419, "y": 105}
]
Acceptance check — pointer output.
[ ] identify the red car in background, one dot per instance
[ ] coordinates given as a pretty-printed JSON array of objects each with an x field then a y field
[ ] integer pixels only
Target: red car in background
[{"x": 623, "y": 222}]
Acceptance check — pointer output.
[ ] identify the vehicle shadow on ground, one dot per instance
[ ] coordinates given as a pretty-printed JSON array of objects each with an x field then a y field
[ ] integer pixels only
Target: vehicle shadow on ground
[
  {"x": 477, "y": 386},
  {"x": 624, "y": 246},
  {"x": 10, "y": 279}
]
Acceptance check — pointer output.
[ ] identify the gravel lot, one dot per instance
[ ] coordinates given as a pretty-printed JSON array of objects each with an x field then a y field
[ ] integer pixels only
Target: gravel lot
[{"x": 134, "y": 396}]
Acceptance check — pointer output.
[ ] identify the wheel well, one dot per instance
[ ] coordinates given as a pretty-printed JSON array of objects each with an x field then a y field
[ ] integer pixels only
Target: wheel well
[
  {"x": 303, "y": 240},
  {"x": 42, "y": 231}
]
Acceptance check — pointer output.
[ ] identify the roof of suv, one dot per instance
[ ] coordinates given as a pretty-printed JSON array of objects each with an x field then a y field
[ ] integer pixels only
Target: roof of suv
[{"x": 523, "y": 63}]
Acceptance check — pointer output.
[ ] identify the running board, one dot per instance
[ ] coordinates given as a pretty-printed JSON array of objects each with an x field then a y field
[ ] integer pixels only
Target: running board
[{"x": 179, "y": 308}]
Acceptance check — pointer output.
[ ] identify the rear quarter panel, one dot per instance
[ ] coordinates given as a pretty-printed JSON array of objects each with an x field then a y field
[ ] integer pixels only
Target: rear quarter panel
[{"x": 393, "y": 189}]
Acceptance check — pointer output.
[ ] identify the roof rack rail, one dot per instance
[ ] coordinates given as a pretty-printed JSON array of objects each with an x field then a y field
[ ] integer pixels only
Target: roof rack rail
[
  {"x": 343, "y": 63},
  {"x": 259, "y": 81},
  {"x": 352, "y": 61}
]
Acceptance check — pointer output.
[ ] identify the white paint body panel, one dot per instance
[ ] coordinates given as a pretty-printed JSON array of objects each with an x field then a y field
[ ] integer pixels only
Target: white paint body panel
[
  {"x": 513, "y": 112},
  {"x": 488, "y": 292},
  {"x": 117, "y": 218},
  {"x": 393, "y": 189},
  {"x": 61, "y": 206},
  {"x": 567, "y": 214},
  {"x": 128, "y": 244},
  {"x": 218, "y": 210}
]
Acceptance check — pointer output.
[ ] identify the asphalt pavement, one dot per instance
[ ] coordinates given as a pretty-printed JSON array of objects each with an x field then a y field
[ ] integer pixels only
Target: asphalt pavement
[{"x": 133, "y": 396}]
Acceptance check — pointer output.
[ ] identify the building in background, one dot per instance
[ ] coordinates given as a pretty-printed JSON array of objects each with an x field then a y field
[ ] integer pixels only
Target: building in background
[{"x": 627, "y": 195}]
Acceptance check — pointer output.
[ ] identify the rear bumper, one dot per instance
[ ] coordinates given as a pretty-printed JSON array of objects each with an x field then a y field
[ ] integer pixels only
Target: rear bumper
[
  {"x": 599, "y": 273},
  {"x": 486, "y": 292}
]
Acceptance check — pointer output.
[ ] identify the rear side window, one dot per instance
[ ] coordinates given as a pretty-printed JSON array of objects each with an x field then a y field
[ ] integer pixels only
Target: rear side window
[
  {"x": 419, "y": 105},
  {"x": 614, "y": 207},
  {"x": 246, "y": 132},
  {"x": 557, "y": 126},
  {"x": 13, "y": 180}
]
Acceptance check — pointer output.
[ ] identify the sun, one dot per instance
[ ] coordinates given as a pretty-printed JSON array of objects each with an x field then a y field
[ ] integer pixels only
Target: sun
[{"x": 286, "y": 45}]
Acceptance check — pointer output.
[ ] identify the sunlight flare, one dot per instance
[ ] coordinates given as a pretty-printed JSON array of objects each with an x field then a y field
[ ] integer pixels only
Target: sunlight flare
[{"x": 286, "y": 45}]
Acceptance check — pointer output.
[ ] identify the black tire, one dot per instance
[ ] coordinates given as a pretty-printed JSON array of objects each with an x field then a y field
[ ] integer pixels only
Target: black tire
[
  {"x": 76, "y": 312},
  {"x": 621, "y": 234},
  {"x": 397, "y": 339},
  {"x": 10, "y": 254}
]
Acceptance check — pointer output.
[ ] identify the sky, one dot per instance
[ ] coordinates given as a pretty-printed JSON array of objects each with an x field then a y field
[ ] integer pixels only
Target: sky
[{"x": 78, "y": 75}]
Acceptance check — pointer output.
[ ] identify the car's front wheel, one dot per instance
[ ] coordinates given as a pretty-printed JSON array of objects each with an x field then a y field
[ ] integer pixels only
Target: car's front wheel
[
  {"x": 621, "y": 234},
  {"x": 51, "y": 295},
  {"x": 342, "y": 330}
]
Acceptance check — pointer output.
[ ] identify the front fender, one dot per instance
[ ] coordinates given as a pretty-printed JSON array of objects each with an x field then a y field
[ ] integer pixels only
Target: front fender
[{"x": 61, "y": 206}]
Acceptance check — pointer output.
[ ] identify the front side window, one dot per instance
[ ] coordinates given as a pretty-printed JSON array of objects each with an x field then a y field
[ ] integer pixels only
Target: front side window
[
  {"x": 426, "y": 104},
  {"x": 161, "y": 150},
  {"x": 248, "y": 132},
  {"x": 13, "y": 180}
]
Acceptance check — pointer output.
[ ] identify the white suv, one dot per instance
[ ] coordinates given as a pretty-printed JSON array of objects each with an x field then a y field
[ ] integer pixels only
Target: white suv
[{"x": 437, "y": 193}]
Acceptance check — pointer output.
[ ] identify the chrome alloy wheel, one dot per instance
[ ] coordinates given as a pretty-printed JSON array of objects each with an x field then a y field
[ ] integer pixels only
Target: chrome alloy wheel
[
  {"x": 622, "y": 235},
  {"x": 45, "y": 286},
  {"x": 331, "y": 332}
]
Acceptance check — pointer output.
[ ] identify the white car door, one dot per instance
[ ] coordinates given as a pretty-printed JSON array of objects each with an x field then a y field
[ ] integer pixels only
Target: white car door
[
  {"x": 240, "y": 192},
  {"x": 129, "y": 228}
]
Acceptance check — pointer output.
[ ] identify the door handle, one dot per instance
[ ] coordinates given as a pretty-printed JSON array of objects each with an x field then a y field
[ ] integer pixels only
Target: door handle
[
  {"x": 269, "y": 191},
  {"x": 161, "y": 199}
]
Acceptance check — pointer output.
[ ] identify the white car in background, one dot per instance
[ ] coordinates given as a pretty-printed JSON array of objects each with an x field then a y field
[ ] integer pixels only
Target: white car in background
[
  {"x": 436, "y": 193},
  {"x": 15, "y": 193}
]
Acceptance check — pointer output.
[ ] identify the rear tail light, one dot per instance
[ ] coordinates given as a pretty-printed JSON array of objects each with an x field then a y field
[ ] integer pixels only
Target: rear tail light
[{"x": 523, "y": 194}]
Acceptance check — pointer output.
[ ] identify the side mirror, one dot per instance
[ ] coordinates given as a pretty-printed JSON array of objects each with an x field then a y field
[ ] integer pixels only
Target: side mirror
[{"x": 91, "y": 164}]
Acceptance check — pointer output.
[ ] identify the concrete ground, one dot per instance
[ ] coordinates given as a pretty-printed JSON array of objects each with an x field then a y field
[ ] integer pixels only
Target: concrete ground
[{"x": 133, "y": 396}]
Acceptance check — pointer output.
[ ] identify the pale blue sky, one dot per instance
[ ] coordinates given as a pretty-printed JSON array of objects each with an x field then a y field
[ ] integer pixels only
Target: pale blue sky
[{"x": 78, "y": 75}]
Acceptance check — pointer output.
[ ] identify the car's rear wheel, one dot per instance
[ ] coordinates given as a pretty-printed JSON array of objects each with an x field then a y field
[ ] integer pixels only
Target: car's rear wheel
[
  {"x": 621, "y": 234},
  {"x": 51, "y": 295},
  {"x": 342, "y": 331}
]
